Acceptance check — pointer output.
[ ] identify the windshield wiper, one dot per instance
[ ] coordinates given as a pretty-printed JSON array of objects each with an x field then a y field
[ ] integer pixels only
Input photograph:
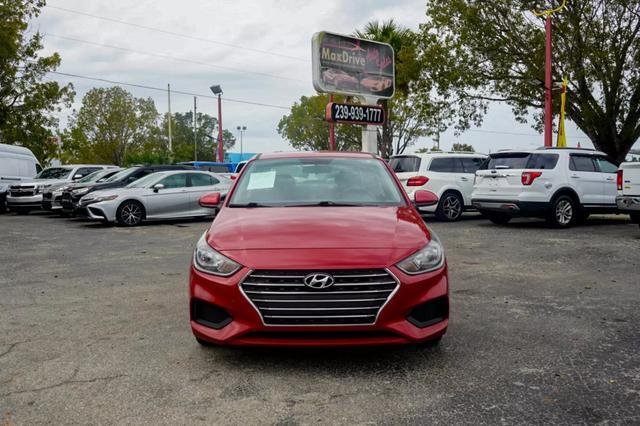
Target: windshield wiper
[
  {"x": 325, "y": 204},
  {"x": 249, "y": 205}
]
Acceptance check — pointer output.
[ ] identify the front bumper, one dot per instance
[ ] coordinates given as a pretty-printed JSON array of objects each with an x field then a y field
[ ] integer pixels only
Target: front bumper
[
  {"x": 512, "y": 207},
  {"x": 34, "y": 201},
  {"x": 245, "y": 326},
  {"x": 628, "y": 203},
  {"x": 51, "y": 201},
  {"x": 104, "y": 210}
]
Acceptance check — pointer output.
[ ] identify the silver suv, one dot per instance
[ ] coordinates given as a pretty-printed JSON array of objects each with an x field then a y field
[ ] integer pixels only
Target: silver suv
[{"x": 27, "y": 195}]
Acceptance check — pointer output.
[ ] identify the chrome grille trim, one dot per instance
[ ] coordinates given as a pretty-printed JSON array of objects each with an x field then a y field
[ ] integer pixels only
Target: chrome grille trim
[{"x": 281, "y": 299}]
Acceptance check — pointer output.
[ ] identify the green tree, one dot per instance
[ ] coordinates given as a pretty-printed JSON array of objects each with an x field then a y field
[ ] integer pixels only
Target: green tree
[
  {"x": 462, "y": 147},
  {"x": 206, "y": 136},
  {"x": 111, "y": 126},
  {"x": 477, "y": 52},
  {"x": 26, "y": 101},
  {"x": 305, "y": 127}
]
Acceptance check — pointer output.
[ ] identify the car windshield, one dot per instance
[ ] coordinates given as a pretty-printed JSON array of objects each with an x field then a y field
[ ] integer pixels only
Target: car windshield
[
  {"x": 405, "y": 164},
  {"x": 319, "y": 181},
  {"x": 145, "y": 181},
  {"x": 54, "y": 173},
  {"x": 122, "y": 174},
  {"x": 92, "y": 177},
  {"x": 515, "y": 160}
]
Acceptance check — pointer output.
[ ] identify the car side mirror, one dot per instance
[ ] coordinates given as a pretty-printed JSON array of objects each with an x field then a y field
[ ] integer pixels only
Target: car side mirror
[
  {"x": 423, "y": 198},
  {"x": 210, "y": 201},
  {"x": 78, "y": 176},
  {"x": 157, "y": 187}
]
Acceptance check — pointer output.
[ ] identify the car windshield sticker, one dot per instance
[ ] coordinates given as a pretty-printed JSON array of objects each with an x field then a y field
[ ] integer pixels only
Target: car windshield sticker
[{"x": 263, "y": 180}]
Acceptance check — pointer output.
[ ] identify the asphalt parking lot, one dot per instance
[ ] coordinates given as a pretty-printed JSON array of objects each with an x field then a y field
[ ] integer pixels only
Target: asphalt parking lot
[{"x": 94, "y": 329}]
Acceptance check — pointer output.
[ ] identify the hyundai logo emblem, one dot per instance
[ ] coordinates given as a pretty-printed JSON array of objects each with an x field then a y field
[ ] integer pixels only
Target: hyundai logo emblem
[{"x": 318, "y": 281}]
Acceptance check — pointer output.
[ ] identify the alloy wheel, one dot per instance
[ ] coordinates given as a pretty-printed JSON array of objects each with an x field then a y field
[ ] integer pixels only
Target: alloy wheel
[
  {"x": 564, "y": 212},
  {"x": 451, "y": 207},
  {"x": 131, "y": 214}
]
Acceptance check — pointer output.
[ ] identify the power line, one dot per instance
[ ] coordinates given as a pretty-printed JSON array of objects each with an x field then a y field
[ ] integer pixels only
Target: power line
[
  {"x": 518, "y": 134},
  {"x": 175, "y": 34},
  {"x": 173, "y": 58},
  {"x": 179, "y": 92}
]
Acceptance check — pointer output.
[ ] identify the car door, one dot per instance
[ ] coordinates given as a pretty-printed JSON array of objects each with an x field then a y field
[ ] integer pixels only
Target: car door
[
  {"x": 170, "y": 201},
  {"x": 586, "y": 179},
  {"x": 608, "y": 172},
  {"x": 470, "y": 166},
  {"x": 447, "y": 172},
  {"x": 201, "y": 184}
]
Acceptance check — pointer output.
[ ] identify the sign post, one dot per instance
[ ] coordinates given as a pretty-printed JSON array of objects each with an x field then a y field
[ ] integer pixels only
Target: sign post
[{"x": 354, "y": 67}]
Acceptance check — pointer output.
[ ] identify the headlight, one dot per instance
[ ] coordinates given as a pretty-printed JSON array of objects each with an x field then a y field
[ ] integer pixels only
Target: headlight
[
  {"x": 80, "y": 191},
  {"x": 41, "y": 188},
  {"x": 210, "y": 261},
  {"x": 99, "y": 199},
  {"x": 428, "y": 259}
]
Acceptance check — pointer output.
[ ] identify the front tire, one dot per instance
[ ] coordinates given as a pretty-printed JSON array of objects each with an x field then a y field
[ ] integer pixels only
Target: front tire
[
  {"x": 564, "y": 212},
  {"x": 130, "y": 213},
  {"x": 498, "y": 218},
  {"x": 450, "y": 207}
]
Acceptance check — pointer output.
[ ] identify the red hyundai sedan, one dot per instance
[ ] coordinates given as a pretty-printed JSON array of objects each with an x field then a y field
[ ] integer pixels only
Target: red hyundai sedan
[{"x": 318, "y": 249}]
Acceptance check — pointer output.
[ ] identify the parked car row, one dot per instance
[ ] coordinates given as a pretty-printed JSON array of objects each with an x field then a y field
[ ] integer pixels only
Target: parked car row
[
  {"x": 114, "y": 195},
  {"x": 562, "y": 185}
]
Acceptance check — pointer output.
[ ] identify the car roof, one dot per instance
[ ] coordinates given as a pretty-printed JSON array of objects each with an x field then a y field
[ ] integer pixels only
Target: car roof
[
  {"x": 549, "y": 150},
  {"x": 172, "y": 172},
  {"x": 442, "y": 153},
  {"x": 16, "y": 149},
  {"x": 71, "y": 166},
  {"x": 314, "y": 154}
]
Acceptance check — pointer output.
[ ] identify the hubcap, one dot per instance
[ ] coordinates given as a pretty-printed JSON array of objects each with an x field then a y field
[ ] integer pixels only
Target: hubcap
[
  {"x": 131, "y": 214},
  {"x": 451, "y": 207},
  {"x": 564, "y": 212}
]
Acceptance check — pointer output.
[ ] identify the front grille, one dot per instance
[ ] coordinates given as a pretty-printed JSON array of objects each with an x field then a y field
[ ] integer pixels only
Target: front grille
[
  {"x": 25, "y": 191},
  {"x": 65, "y": 200},
  {"x": 355, "y": 298}
]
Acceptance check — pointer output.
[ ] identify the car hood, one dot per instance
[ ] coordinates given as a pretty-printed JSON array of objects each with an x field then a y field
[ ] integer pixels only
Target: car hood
[
  {"x": 111, "y": 191},
  {"x": 33, "y": 182},
  {"x": 318, "y": 228}
]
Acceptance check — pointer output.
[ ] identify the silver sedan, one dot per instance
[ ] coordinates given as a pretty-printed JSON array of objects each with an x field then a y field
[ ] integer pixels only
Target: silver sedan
[{"x": 162, "y": 195}]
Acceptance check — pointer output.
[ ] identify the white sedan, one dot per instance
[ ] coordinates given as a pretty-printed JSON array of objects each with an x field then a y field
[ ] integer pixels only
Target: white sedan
[{"x": 162, "y": 195}]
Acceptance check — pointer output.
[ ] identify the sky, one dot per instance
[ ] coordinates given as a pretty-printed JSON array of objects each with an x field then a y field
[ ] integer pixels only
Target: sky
[{"x": 258, "y": 51}]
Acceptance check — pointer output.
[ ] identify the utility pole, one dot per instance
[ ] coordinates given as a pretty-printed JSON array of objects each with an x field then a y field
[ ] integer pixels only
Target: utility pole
[
  {"x": 332, "y": 131},
  {"x": 169, "y": 121},
  {"x": 241, "y": 129},
  {"x": 548, "y": 76},
  {"x": 220, "y": 140},
  {"x": 195, "y": 129}
]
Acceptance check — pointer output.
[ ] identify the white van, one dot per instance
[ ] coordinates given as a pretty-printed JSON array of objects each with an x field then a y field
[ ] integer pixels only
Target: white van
[{"x": 17, "y": 163}]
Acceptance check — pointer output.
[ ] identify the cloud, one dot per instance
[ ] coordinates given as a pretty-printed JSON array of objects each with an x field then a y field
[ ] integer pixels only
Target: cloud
[{"x": 282, "y": 27}]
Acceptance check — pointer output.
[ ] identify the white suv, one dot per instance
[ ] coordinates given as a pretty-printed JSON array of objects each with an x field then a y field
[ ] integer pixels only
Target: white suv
[
  {"x": 563, "y": 185},
  {"x": 447, "y": 174}
]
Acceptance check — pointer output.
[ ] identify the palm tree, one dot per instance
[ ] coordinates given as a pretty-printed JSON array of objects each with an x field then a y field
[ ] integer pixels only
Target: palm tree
[{"x": 402, "y": 39}]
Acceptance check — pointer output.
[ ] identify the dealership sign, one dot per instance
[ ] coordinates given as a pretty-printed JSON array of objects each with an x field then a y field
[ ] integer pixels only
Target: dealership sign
[
  {"x": 354, "y": 114},
  {"x": 352, "y": 66}
]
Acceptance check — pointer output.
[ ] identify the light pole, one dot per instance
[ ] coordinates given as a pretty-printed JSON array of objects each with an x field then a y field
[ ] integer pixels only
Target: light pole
[
  {"x": 241, "y": 129},
  {"x": 217, "y": 90},
  {"x": 548, "y": 78}
]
